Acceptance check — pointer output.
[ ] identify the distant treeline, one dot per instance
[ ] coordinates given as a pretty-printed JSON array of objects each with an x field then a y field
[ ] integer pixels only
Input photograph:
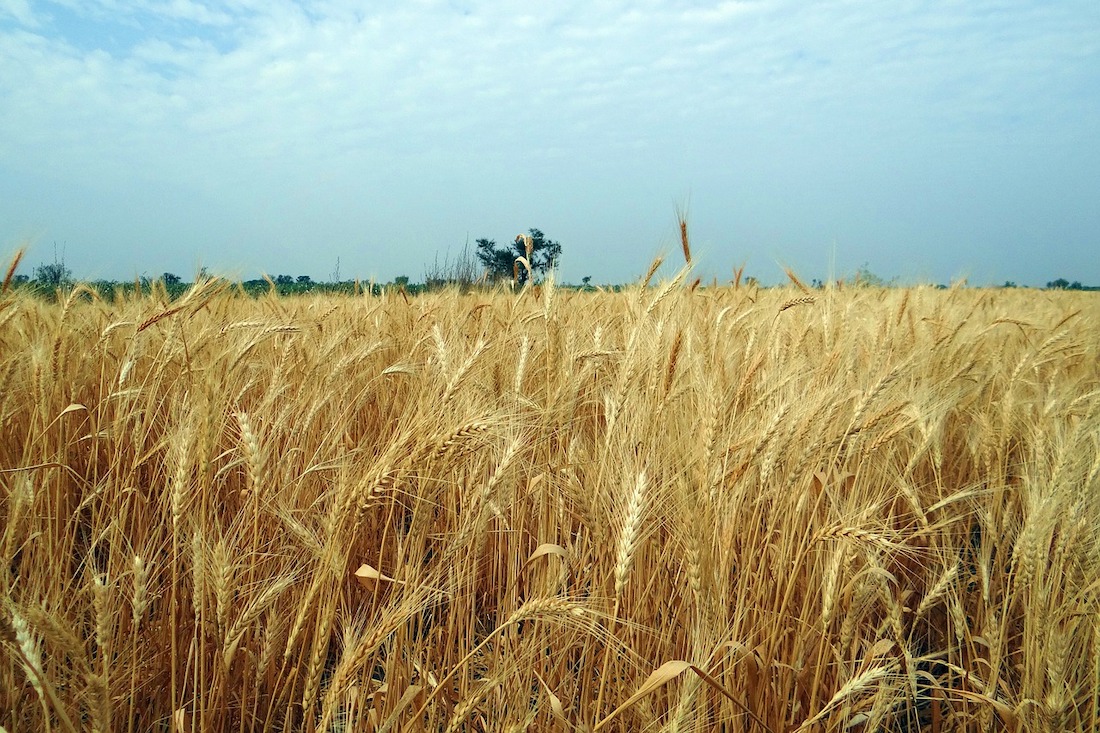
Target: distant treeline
[{"x": 174, "y": 286}]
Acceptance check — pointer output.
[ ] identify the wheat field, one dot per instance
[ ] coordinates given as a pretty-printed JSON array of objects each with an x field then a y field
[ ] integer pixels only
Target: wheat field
[{"x": 668, "y": 508}]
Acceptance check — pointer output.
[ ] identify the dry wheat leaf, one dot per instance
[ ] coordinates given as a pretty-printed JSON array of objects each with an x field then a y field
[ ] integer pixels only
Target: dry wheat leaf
[
  {"x": 858, "y": 719},
  {"x": 427, "y": 675},
  {"x": 981, "y": 640},
  {"x": 412, "y": 694},
  {"x": 548, "y": 548},
  {"x": 556, "y": 706},
  {"x": 74, "y": 407},
  {"x": 880, "y": 647},
  {"x": 1008, "y": 715},
  {"x": 368, "y": 576},
  {"x": 555, "y": 702},
  {"x": 659, "y": 678},
  {"x": 740, "y": 652}
]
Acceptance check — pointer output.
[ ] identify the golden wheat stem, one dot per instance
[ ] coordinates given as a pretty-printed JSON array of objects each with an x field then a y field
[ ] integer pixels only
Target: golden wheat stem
[{"x": 530, "y": 609}]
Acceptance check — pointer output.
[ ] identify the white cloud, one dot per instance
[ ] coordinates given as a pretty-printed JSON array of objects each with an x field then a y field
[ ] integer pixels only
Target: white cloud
[{"x": 19, "y": 11}]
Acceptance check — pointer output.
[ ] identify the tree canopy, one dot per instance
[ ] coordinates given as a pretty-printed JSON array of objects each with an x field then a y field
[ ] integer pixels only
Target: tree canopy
[{"x": 500, "y": 262}]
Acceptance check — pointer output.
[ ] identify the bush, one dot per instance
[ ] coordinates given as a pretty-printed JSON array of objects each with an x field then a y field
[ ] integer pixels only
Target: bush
[{"x": 463, "y": 272}]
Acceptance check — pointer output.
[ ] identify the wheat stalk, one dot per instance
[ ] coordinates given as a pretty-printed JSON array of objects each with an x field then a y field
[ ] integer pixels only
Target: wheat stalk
[
  {"x": 535, "y": 608},
  {"x": 898, "y": 478}
]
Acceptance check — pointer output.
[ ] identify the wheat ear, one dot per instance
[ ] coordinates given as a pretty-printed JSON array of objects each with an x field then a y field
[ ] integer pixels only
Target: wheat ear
[
  {"x": 11, "y": 270},
  {"x": 138, "y": 605},
  {"x": 624, "y": 560},
  {"x": 684, "y": 245}
]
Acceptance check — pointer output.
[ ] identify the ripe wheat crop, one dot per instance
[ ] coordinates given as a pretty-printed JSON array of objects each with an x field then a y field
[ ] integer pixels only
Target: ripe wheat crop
[{"x": 666, "y": 508}]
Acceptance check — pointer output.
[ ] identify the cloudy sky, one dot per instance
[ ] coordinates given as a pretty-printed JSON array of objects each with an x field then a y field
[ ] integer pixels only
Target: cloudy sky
[{"x": 926, "y": 140}]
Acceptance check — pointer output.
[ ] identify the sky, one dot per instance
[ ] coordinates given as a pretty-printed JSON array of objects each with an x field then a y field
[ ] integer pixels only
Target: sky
[{"x": 924, "y": 141}]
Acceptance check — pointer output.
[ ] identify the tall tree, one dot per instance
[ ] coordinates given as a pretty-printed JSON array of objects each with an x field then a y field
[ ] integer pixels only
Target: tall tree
[
  {"x": 53, "y": 274},
  {"x": 501, "y": 262}
]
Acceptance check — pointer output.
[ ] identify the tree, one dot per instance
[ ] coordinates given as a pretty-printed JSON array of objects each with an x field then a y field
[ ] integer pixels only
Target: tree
[
  {"x": 500, "y": 261},
  {"x": 305, "y": 280},
  {"x": 284, "y": 280},
  {"x": 53, "y": 274},
  {"x": 866, "y": 278},
  {"x": 1059, "y": 284},
  {"x": 170, "y": 279}
]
